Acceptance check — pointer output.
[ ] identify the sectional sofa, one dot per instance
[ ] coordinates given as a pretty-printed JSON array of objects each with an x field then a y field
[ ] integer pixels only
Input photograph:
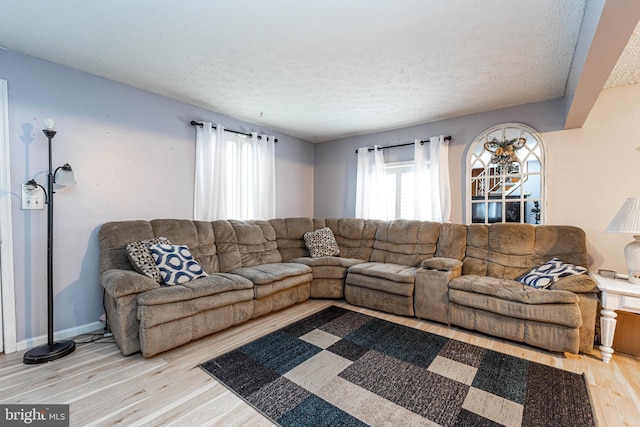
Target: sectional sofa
[{"x": 450, "y": 273}]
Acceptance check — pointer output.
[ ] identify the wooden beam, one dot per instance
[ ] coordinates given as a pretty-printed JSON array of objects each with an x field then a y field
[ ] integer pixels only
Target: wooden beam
[{"x": 594, "y": 60}]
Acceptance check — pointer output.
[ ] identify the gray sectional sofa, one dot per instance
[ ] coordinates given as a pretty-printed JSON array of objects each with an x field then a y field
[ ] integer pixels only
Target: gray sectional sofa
[{"x": 449, "y": 273}]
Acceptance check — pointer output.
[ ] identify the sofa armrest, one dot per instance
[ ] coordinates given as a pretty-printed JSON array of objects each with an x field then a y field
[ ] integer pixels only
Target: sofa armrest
[
  {"x": 578, "y": 284},
  {"x": 431, "y": 293},
  {"x": 119, "y": 283},
  {"x": 442, "y": 264},
  {"x": 586, "y": 288}
]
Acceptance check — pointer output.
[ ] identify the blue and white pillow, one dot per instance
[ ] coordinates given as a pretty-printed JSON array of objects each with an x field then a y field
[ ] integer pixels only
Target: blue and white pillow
[
  {"x": 176, "y": 264},
  {"x": 550, "y": 272}
]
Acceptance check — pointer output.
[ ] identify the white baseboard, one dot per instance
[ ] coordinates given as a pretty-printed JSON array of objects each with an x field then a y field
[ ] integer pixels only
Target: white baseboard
[{"x": 60, "y": 335}]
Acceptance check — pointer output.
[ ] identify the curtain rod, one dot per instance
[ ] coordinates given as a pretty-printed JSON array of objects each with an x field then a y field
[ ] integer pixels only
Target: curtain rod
[
  {"x": 446, "y": 138},
  {"x": 194, "y": 123}
]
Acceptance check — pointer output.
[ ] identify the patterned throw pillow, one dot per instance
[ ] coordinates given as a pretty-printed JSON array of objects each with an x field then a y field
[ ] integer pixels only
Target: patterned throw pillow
[
  {"x": 176, "y": 264},
  {"x": 141, "y": 258},
  {"x": 321, "y": 243},
  {"x": 550, "y": 272}
]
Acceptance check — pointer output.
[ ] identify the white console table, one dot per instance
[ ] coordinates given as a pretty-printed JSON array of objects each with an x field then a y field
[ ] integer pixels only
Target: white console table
[{"x": 617, "y": 294}]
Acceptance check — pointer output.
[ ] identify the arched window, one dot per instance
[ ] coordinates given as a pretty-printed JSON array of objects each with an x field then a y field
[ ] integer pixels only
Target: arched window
[{"x": 505, "y": 176}]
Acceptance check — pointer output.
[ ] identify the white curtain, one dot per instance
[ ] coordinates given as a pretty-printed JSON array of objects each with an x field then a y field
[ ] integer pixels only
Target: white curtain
[
  {"x": 261, "y": 168},
  {"x": 370, "y": 185},
  {"x": 432, "y": 184},
  {"x": 235, "y": 175},
  {"x": 210, "y": 197}
]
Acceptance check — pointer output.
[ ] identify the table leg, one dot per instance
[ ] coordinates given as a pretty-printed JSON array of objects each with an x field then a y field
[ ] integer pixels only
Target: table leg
[{"x": 607, "y": 330}]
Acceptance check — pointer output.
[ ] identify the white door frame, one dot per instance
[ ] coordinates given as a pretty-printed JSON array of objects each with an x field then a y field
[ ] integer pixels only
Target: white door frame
[{"x": 7, "y": 291}]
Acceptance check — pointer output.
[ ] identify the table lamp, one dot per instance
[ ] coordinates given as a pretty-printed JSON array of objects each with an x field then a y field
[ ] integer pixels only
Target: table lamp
[{"x": 627, "y": 220}]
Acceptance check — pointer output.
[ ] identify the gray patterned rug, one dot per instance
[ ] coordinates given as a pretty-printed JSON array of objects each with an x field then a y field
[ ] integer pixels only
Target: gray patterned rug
[{"x": 343, "y": 368}]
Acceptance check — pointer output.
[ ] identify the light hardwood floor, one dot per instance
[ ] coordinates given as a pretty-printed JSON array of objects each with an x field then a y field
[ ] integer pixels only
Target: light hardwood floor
[{"x": 104, "y": 388}]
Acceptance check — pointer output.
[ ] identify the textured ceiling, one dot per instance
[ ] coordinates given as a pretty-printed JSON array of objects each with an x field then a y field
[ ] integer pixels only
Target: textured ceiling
[
  {"x": 317, "y": 70},
  {"x": 627, "y": 69}
]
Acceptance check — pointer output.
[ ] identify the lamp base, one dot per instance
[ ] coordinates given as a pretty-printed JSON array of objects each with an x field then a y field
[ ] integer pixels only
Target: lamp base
[
  {"x": 47, "y": 353},
  {"x": 632, "y": 255}
]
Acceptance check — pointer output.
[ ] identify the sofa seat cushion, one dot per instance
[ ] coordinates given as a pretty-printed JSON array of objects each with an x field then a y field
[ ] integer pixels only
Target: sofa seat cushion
[
  {"x": 268, "y": 273},
  {"x": 405, "y": 290},
  {"x": 329, "y": 267},
  {"x": 153, "y": 315},
  {"x": 269, "y": 279},
  {"x": 329, "y": 261},
  {"x": 508, "y": 298},
  {"x": 511, "y": 290},
  {"x": 393, "y": 272},
  {"x": 212, "y": 284},
  {"x": 393, "y": 279}
]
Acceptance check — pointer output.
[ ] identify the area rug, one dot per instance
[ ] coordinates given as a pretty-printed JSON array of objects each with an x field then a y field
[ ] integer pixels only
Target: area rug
[{"x": 343, "y": 368}]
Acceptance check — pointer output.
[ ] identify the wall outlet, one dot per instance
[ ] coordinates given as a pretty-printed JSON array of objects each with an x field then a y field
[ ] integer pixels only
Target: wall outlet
[{"x": 32, "y": 198}]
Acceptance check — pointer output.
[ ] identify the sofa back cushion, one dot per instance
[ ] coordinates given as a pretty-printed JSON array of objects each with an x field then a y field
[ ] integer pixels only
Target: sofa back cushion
[
  {"x": 452, "y": 242},
  {"x": 290, "y": 232},
  {"x": 510, "y": 250},
  {"x": 562, "y": 241},
  {"x": 196, "y": 235},
  {"x": 507, "y": 251},
  {"x": 355, "y": 236},
  {"x": 245, "y": 244},
  {"x": 113, "y": 237},
  {"x": 405, "y": 242},
  {"x": 475, "y": 259}
]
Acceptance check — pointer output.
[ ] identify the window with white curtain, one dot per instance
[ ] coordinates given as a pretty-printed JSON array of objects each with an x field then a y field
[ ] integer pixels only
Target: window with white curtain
[
  {"x": 418, "y": 189},
  {"x": 235, "y": 175},
  {"x": 248, "y": 171},
  {"x": 399, "y": 189},
  {"x": 238, "y": 153}
]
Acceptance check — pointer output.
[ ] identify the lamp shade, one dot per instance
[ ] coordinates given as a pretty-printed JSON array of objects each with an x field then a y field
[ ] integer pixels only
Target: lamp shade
[
  {"x": 627, "y": 220},
  {"x": 64, "y": 176},
  {"x": 31, "y": 184}
]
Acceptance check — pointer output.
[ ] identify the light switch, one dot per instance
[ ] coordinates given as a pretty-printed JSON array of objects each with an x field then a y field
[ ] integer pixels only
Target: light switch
[{"x": 32, "y": 197}]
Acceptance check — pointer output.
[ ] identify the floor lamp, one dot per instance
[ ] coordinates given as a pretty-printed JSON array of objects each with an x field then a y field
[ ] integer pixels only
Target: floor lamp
[{"x": 63, "y": 175}]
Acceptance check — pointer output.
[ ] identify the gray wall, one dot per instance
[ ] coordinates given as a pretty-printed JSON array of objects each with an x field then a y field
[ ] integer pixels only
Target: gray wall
[
  {"x": 133, "y": 156},
  {"x": 335, "y": 161}
]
